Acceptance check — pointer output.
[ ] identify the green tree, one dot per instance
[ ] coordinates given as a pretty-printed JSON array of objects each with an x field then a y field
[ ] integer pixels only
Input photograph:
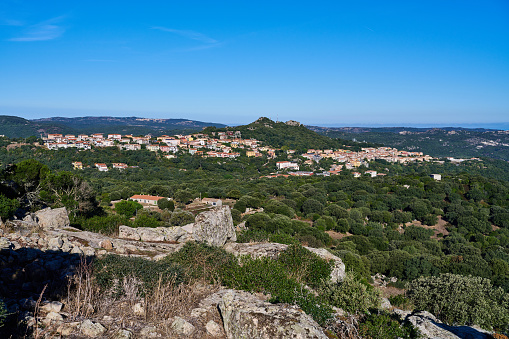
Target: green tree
[
  {"x": 181, "y": 218},
  {"x": 166, "y": 204},
  {"x": 127, "y": 207},
  {"x": 462, "y": 300},
  {"x": 7, "y": 207}
]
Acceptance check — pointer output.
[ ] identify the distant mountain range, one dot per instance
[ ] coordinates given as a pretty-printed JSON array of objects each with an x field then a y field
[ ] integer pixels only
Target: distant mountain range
[{"x": 16, "y": 127}]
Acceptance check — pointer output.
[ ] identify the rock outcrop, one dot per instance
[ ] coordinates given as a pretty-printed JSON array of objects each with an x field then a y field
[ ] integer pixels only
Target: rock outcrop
[
  {"x": 52, "y": 218},
  {"x": 245, "y": 316},
  {"x": 214, "y": 227},
  {"x": 431, "y": 327},
  {"x": 272, "y": 250}
]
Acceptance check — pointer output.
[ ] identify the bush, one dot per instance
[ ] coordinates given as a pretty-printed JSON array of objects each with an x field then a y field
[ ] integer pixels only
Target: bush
[
  {"x": 306, "y": 266},
  {"x": 383, "y": 325},
  {"x": 236, "y": 216},
  {"x": 400, "y": 301},
  {"x": 461, "y": 300},
  {"x": 201, "y": 261},
  {"x": 351, "y": 294},
  {"x": 7, "y": 207},
  {"x": 181, "y": 218},
  {"x": 145, "y": 220},
  {"x": 166, "y": 204},
  {"x": 104, "y": 224},
  {"x": 127, "y": 207},
  {"x": 109, "y": 272},
  {"x": 275, "y": 206}
]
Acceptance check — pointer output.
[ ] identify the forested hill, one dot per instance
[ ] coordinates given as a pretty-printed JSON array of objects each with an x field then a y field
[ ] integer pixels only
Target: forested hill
[
  {"x": 292, "y": 135},
  {"x": 16, "y": 127},
  {"x": 437, "y": 142}
]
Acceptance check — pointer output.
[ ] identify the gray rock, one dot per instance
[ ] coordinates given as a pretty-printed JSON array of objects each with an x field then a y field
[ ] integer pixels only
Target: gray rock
[
  {"x": 188, "y": 228},
  {"x": 52, "y": 218},
  {"x": 91, "y": 329},
  {"x": 88, "y": 251},
  {"x": 52, "y": 306},
  {"x": 138, "y": 309},
  {"x": 5, "y": 244},
  {"x": 431, "y": 327},
  {"x": 76, "y": 250},
  {"x": 245, "y": 316},
  {"x": 173, "y": 233},
  {"x": 55, "y": 242},
  {"x": 213, "y": 329},
  {"x": 181, "y": 326},
  {"x": 66, "y": 329},
  {"x": 149, "y": 332},
  {"x": 52, "y": 317},
  {"x": 106, "y": 244},
  {"x": 150, "y": 234},
  {"x": 123, "y": 334},
  {"x": 386, "y": 304},
  {"x": 126, "y": 232},
  {"x": 67, "y": 247},
  {"x": 214, "y": 227}
]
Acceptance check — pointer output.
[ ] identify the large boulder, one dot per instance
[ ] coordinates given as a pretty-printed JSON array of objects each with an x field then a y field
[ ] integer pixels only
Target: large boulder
[
  {"x": 272, "y": 250},
  {"x": 431, "y": 327},
  {"x": 214, "y": 227},
  {"x": 52, "y": 218},
  {"x": 245, "y": 316}
]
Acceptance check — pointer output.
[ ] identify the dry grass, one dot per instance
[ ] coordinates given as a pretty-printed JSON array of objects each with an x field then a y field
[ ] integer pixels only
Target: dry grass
[
  {"x": 157, "y": 307},
  {"x": 344, "y": 327}
]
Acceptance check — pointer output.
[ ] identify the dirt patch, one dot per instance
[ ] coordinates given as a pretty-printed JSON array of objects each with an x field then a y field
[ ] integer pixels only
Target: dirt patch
[
  {"x": 390, "y": 291},
  {"x": 439, "y": 227},
  {"x": 337, "y": 235}
]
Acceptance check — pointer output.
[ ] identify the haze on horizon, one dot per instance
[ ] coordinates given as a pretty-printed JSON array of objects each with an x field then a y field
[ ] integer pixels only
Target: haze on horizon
[{"x": 366, "y": 63}]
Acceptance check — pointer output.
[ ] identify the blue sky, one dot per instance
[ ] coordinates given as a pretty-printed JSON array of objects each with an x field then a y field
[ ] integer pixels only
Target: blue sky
[{"x": 321, "y": 62}]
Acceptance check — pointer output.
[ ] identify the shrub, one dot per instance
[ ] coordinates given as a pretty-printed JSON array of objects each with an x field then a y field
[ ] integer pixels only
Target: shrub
[
  {"x": 258, "y": 221},
  {"x": 236, "y": 216},
  {"x": 110, "y": 270},
  {"x": 400, "y": 301},
  {"x": 166, "y": 204},
  {"x": 306, "y": 266},
  {"x": 181, "y": 218},
  {"x": 283, "y": 238},
  {"x": 383, "y": 325},
  {"x": 104, "y": 224},
  {"x": 127, "y": 207},
  {"x": 7, "y": 207},
  {"x": 463, "y": 300},
  {"x": 275, "y": 206},
  {"x": 271, "y": 277},
  {"x": 201, "y": 261},
  {"x": 351, "y": 294},
  {"x": 145, "y": 220}
]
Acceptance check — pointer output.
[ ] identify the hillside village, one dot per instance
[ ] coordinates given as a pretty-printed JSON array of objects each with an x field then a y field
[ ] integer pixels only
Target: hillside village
[{"x": 231, "y": 145}]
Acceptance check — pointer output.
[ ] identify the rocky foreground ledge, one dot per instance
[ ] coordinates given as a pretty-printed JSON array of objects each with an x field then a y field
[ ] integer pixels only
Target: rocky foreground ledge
[{"x": 43, "y": 250}]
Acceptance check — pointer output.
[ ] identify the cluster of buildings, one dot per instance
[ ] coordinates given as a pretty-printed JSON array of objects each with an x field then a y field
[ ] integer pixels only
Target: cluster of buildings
[
  {"x": 227, "y": 145},
  {"x": 351, "y": 160}
]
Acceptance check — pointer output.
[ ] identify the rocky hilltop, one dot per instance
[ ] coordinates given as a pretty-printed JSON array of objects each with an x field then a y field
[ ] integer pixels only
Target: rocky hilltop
[{"x": 42, "y": 253}]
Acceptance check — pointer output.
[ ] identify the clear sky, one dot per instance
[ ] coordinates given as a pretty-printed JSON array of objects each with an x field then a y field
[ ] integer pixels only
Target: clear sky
[{"x": 318, "y": 62}]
